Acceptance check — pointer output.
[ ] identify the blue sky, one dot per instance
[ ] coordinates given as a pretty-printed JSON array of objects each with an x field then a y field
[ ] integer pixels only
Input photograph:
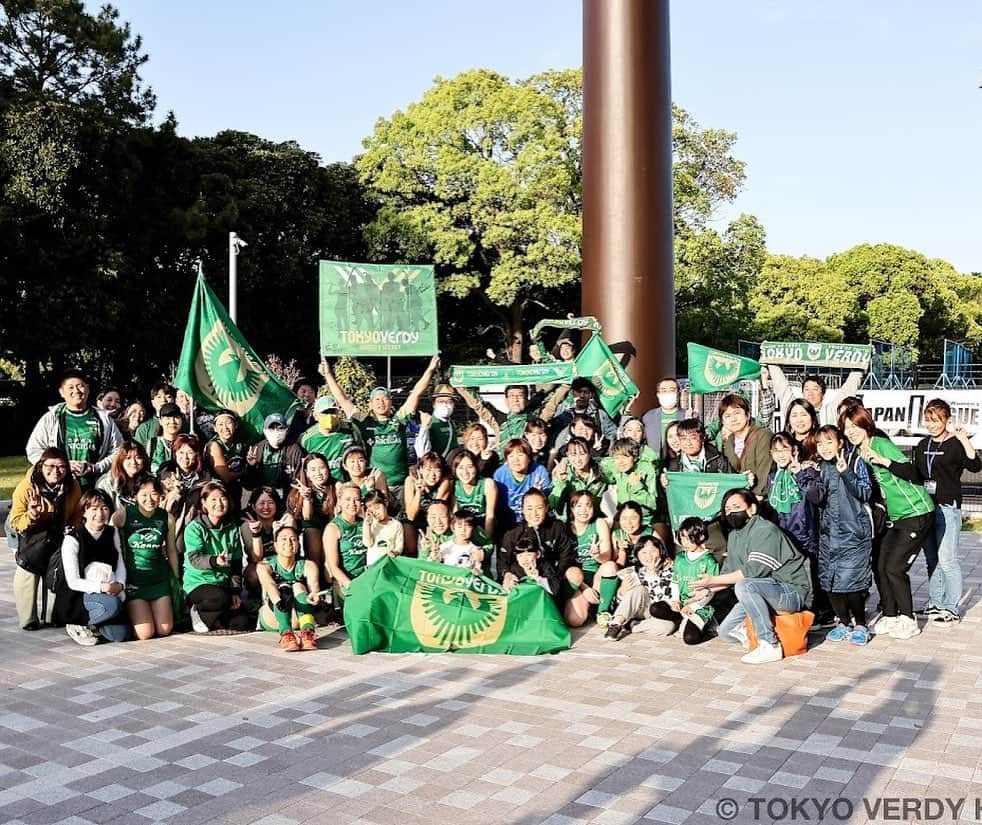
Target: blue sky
[{"x": 859, "y": 122}]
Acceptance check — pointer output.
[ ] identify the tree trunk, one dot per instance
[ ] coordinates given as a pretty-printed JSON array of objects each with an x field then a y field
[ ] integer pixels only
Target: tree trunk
[{"x": 515, "y": 331}]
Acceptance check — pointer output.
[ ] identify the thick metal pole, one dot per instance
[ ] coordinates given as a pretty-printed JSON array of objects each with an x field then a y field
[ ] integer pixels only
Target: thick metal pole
[
  {"x": 628, "y": 281},
  {"x": 233, "y": 277}
]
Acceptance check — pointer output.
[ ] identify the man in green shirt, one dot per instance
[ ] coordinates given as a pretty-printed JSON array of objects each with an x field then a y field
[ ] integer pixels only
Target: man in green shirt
[
  {"x": 512, "y": 424},
  {"x": 160, "y": 393},
  {"x": 326, "y": 436}
]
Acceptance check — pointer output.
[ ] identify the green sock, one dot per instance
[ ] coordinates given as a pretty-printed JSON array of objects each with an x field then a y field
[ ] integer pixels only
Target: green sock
[
  {"x": 283, "y": 623},
  {"x": 305, "y": 613},
  {"x": 608, "y": 590}
]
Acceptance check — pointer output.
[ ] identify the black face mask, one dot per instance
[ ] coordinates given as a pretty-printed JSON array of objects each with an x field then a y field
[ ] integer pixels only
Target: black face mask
[{"x": 738, "y": 520}]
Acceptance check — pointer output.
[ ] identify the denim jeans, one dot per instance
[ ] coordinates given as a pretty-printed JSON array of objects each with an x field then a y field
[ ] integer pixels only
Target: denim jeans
[
  {"x": 13, "y": 537},
  {"x": 103, "y": 609},
  {"x": 758, "y": 598},
  {"x": 941, "y": 555}
]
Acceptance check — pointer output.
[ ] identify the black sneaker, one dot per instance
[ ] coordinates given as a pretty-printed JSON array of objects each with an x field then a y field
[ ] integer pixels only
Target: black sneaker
[
  {"x": 826, "y": 619},
  {"x": 624, "y": 631},
  {"x": 945, "y": 616},
  {"x": 613, "y": 632},
  {"x": 930, "y": 610}
]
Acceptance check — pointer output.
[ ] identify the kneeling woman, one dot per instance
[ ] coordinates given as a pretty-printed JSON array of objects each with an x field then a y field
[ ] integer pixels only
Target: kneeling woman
[
  {"x": 90, "y": 600},
  {"x": 213, "y": 565},
  {"x": 150, "y": 553},
  {"x": 344, "y": 540},
  {"x": 290, "y": 586}
]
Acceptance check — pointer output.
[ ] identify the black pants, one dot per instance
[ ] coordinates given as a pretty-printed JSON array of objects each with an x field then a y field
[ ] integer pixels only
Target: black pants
[
  {"x": 214, "y": 606},
  {"x": 850, "y": 604},
  {"x": 691, "y": 634},
  {"x": 901, "y": 544}
]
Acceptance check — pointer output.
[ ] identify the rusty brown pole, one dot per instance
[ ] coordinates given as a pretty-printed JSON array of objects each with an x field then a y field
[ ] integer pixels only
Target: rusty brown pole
[{"x": 628, "y": 280}]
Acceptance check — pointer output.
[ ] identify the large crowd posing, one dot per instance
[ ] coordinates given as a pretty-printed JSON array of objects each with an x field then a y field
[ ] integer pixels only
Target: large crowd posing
[{"x": 129, "y": 525}]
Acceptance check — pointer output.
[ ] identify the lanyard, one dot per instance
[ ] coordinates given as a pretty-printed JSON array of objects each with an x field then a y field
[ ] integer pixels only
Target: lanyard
[{"x": 930, "y": 455}]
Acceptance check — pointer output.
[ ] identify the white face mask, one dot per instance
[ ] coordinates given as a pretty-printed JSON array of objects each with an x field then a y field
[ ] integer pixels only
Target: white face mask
[
  {"x": 275, "y": 436},
  {"x": 669, "y": 400},
  {"x": 442, "y": 411}
]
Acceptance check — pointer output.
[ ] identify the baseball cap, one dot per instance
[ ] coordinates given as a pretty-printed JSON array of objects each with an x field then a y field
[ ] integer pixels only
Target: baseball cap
[
  {"x": 325, "y": 403},
  {"x": 380, "y": 391},
  {"x": 274, "y": 420}
]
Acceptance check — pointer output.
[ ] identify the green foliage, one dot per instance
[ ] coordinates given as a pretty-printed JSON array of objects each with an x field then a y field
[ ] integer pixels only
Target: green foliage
[
  {"x": 11, "y": 370},
  {"x": 356, "y": 379},
  {"x": 12, "y": 471}
]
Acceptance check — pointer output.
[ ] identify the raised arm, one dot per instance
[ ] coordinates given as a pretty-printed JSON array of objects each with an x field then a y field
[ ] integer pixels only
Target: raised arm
[
  {"x": 412, "y": 401},
  {"x": 344, "y": 402}
]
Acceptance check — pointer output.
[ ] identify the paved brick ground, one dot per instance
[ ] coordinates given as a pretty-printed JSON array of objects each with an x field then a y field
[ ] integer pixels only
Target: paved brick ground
[{"x": 231, "y": 730}]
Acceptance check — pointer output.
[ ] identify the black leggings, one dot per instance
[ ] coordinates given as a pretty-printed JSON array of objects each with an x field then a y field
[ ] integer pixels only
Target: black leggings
[
  {"x": 691, "y": 634},
  {"x": 215, "y": 609},
  {"x": 901, "y": 544},
  {"x": 846, "y": 604}
]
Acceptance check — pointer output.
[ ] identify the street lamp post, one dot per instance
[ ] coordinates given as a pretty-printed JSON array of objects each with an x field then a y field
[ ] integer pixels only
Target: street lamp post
[{"x": 235, "y": 244}]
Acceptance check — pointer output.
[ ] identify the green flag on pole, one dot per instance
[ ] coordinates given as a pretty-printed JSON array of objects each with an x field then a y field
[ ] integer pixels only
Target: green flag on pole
[
  {"x": 601, "y": 366},
  {"x": 712, "y": 369},
  {"x": 699, "y": 494},
  {"x": 219, "y": 370},
  {"x": 402, "y": 605}
]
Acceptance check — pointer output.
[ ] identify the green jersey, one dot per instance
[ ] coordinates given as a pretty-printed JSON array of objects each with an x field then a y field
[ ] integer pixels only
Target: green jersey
[
  {"x": 212, "y": 541},
  {"x": 160, "y": 452},
  {"x": 329, "y": 445},
  {"x": 475, "y": 503},
  {"x": 82, "y": 435},
  {"x": 441, "y": 436},
  {"x": 145, "y": 548},
  {"x": 282, "y": 575},
  {"x": 903, "y": 498},
  {"x": 686, "y": 569},
  {"x": 584, "y": 542},
  {"x": 386, "y": 443},
  {"x": 512, "y": 427},
  {"x": 351, "y": 546}
]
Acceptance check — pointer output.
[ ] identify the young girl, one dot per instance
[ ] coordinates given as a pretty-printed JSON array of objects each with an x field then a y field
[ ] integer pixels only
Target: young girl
[
  {"x": 290, "y": 586},
  {"x": 634, "y": 480},
  {"x": 312, "y": 503},
  {"x": 689, "y": 607},
  {"x": 628, "y": 529},
  {"x": 461, "y": 551},
  {"x": 150, "y": 554},
  {"x": 577, "y": 471},
  {"x": 477, "y": 495},
  {"x": 594, "y": 554},
  {"x": 643, "y": 586},
  {"x": 90, "y": 603},
  {"x": 633, "y": 428},
  {"x": 382, "y": 534},
  {"x": 845, "y": 536},
  {"x": 354, "y": 462}
]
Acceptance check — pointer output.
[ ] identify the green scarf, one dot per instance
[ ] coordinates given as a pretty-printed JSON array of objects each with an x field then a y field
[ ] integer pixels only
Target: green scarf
[{"x": 784, "y": 492}]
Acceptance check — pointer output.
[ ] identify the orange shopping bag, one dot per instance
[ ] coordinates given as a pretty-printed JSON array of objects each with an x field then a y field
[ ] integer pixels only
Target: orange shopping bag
[{"x": 791, "y": 629}]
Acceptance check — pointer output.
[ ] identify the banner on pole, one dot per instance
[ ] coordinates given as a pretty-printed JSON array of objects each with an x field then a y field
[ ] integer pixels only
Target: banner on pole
[
  {"x": 809, "y": 353},
  {"x": 699, "y": 494},
  {"x": 550, "y": 372},
  {"x": 403, "y": 605},
  {"x": 377, "y": 310},
  {"x": 712, "y": 369}
]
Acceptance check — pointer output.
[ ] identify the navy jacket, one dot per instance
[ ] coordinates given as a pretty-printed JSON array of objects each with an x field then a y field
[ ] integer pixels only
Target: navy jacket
[
  {"x": 846, "y": 529},
  {"x": 801, "y": 524}
]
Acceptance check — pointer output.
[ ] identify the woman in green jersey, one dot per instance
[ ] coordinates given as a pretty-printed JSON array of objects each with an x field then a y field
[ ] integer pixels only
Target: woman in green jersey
[
  {"x": 312, "y": 502},
  {"x": 594, "y": 550},
  {"x": 150, "y": 554},
  {"x": 343, "y": 538},
  {"x": 130, "y": 467},
  {"x": 477, "y": 495}
]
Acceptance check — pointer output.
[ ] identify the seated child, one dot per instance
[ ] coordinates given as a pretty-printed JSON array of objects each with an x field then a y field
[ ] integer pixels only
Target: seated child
[
  {"x": 528, "y": 566},
  {"x": 382, "y": 534},
  {"x": 437, "y": 531},
  {"x": 642, "y": 587},
  {"x": 290, "y": 587},
  {"x": 460, "y": 551},
  {"x": 688, "y": 608}
]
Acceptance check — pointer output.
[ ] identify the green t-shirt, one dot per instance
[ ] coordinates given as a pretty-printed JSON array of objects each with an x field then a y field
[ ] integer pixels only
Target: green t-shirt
[
  {"x": 441, "y": 436},
  {"x": 145, "y": 548},
  {"x": 351, "y": 546},
  {"x": 331, "y": 446},
  {"x": 666, "y": 419},
  {"x": 685, "y": 570},
  {"x": 903, "y": 498},
  {"x": 281, "y": 575},
  {"x": 82, "y": 433},
  {"x": 201, "y": 538},
  {"x": 473, "y": 502},
  {"x": 386, "y": 443},
  {"x": 162, "y": 452},
  {"x": 584, "y": 542}
]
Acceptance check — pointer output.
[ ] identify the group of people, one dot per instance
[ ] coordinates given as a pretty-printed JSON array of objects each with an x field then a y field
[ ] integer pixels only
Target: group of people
[{"x": 135, "y": 526}]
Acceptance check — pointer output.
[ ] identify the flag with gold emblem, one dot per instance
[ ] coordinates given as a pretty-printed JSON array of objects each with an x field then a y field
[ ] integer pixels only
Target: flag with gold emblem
[{"x": 711, "y": 369}]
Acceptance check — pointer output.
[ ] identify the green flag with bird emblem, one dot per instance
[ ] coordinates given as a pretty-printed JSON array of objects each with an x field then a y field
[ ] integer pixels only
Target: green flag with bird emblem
[
  {"x": 219, "y": 370},
  {"x": 710, "y": 370},
  {"x": 699, "y": 494},
  {"x": 600, "y": 365},
  {"x": 402, "y": 605}
]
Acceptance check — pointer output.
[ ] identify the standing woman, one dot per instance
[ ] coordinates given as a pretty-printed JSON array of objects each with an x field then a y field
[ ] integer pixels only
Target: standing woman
[
  {"x": 801, "y": 423},
  {"x": 89, "y": 602},
  {"x": 746, "y": 446},
  {"x": 225, "y": 454},
  {"x": 150, "y": 555},
  {"x": 130, "y": 466},
  {"x": 344, "y": 539},
  {"x": 213, "y": 565},
  {"x": 44, "y": 503},
  {"x": 311, "y": 502},
  {"x": 910, "y": 516},
  {"x": 476, "y": 495},
  {"x": 131, "y": 418},
  {"x": 182, "y": 479},
  {"x": 938, "y": 462}
]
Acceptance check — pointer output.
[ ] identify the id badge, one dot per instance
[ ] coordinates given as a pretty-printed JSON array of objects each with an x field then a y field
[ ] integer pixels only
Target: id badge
[{"x": 931, "y": 486}]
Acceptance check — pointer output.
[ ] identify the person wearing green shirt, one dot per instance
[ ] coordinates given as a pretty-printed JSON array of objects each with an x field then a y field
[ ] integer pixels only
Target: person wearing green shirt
[
  {"x": 326, "y": 437},
  {"x": 344, "y": 541},
  {"x": 160, "y": 393},
  {"x": 507, "y": 426},
  {"x": 634, "y": 480},
  {"x": 290, "y": 588},
  {"x": 910, "y": 514},
  {"x": 575, "y": 472},
  {"x": 383, "y": 429}
]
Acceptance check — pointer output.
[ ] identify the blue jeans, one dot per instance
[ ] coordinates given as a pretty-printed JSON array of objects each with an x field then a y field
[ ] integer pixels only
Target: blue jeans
[
  {"x": 103, "y": 609},
  {"x": 941, "y": 555},
  {"x": 13, "y": 537},
  {"x": 758, "y": 598}
]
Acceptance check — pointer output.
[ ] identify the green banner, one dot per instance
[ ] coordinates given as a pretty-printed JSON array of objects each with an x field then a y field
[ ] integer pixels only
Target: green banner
[
  {"x": 402, "y": 605},
  {"x": 219, "y": 369},
  {"x": 551, "y": 372},
  {"x": 600, "y": 365},
  {"x": 699, "y": 494},
  {"x": 583, "y": 322},
  {"x": 371, "y": 309},
  {"x": 847, "y": 356},
  {"x": 711, "y": 370}
]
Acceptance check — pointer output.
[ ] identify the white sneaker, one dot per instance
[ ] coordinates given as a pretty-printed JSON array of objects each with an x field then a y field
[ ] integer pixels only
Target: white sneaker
[
  {"x": 763, "y": 653},
  {"x": 740, "y": 634},
  {"x": 905, "y": 628},
  {"x": 885, "y": 625},
  {"x": 197, "y": 623},
  {"x": 81, "y": 634}
]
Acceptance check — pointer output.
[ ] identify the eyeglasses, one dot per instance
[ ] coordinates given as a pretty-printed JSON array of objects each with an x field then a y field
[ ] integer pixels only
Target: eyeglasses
[{"x": 61, "y": 468}]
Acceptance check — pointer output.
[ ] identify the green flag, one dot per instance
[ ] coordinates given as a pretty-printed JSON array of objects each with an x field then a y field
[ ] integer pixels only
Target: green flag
[
  {"x": 402, "y": 605},
  {"x": 613, "y": 384},
  {"x": 712, "y": 369},
  {"x": 219, "y": 370},
  {"x": 699, "y": 494}
]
